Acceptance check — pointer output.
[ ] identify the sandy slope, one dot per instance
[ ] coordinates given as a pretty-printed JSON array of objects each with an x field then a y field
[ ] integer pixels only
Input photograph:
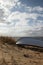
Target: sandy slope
[{"x": 11, "y": 54}]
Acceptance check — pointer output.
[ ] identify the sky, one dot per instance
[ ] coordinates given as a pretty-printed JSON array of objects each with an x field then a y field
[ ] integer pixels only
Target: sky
[{"x": 22, "y": 18}]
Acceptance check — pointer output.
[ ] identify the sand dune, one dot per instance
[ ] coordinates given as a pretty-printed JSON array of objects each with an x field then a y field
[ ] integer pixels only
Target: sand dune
[{"x": 12, "y": 54}]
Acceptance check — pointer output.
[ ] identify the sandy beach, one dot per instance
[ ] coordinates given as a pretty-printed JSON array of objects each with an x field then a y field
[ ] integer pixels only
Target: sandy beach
[{"x": 12, "y": 54}]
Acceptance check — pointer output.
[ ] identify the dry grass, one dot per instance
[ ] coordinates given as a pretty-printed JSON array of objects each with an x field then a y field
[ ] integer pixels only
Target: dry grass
[
  {"x": 8, "y": 40},
  {"x": 12, "y": 54}
]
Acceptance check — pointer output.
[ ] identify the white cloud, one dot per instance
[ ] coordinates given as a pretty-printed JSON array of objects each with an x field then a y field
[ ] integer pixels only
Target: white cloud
[
  {"x": 19, "y": 21},
  {"x": 38, "y": 8}
]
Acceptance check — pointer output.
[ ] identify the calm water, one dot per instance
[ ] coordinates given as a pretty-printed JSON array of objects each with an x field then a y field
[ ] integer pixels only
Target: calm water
[{"x": 30, "y": 41}]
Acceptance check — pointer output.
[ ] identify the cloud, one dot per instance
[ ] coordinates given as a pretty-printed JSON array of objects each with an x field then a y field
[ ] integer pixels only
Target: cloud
[
  {"x": 17, "y": 19},
  {"x": 38, "y": 8}
]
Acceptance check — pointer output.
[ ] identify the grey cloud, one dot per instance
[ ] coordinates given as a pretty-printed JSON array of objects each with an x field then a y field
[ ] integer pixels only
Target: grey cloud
[{"x": 1, "y": 15}]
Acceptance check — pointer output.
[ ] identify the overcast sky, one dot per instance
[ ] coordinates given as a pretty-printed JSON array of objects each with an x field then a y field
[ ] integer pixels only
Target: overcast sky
[{"x": 21, "y": 18}]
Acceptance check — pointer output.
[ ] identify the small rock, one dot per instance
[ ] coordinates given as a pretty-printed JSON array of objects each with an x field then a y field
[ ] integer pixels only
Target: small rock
[{"x": 26, "y": 55}]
